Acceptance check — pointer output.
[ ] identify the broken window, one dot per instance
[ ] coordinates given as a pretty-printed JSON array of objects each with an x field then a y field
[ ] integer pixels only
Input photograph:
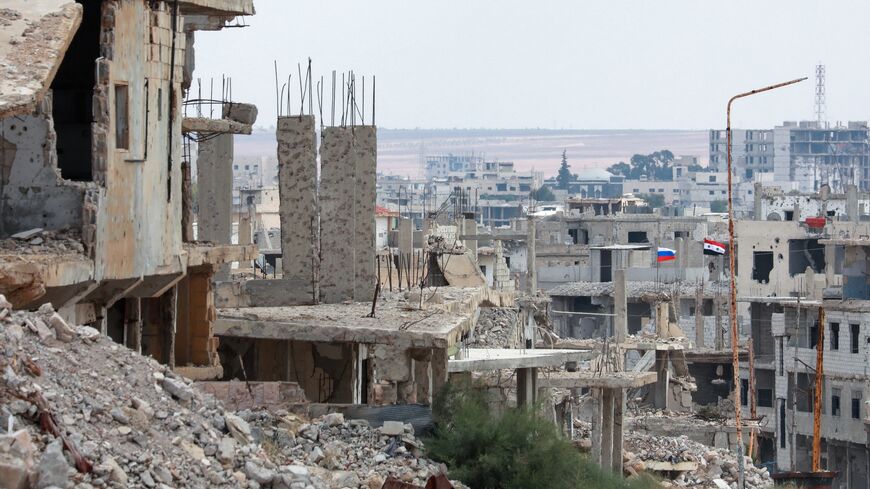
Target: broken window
[
  {"x": 856, "y": 404},
  {"x": 744, "y": 392},
  {"x": 72, "y": 97},
  {"x": 782, "y": 435},
  {"x": 637, "y": 237},
  {"x": 804, "y": 253},
  {"x": 835, "y": 402},
  {"x": 835, "y": 336},
  {"x": 765, "y": 397},
  {"x": 122, "y": 121},
  {"x": 853, "y": 333},
  {"x": 762, "y": 264}
]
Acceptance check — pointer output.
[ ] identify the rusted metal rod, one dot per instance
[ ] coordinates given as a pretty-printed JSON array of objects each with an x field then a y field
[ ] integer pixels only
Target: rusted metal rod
[
  {"x": 817, "y": 400},
  {"x": 735, "y": 361}
]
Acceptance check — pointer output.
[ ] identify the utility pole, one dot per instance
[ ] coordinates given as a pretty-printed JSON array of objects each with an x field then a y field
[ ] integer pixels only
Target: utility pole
[{"x": 735, "y": 348}]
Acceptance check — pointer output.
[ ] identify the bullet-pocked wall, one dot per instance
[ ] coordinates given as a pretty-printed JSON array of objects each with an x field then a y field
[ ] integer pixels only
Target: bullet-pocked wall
[
  {"x": 347, "y": 213},
  {"x": 297, "y": 180}
]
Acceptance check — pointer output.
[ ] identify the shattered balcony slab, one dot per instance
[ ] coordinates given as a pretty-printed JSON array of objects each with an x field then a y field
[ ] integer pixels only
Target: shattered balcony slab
[
  {"x": 635, "y": 289},
  {"x": 211, "y": 253},
  {"x": 483, "y": 359},
  {"x": 217, "y": 7},
  {"x": 631, "y": 343},
  {"x": 601, "y": 380},
  {"x": 204, "y": 125},
  {"x": 34, "y": 37},
  {"x": 397, "y": 321},
  {"x": 28, "y": 270}
]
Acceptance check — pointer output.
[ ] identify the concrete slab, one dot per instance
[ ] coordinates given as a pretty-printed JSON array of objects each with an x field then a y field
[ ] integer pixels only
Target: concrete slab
[
  {"x": 396, "y": 322},
  {"x": 34, "y": 37},
  {"x": 482, "y": 359},
  {"x": 209, "y": 253},
  {"x": 204, "y": 125},
  {"x": 602, "y": 380},
  {"x": 640, "y": 344}
]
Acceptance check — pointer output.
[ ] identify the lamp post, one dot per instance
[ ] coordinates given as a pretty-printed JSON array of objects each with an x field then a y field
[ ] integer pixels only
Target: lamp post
[{"x": 735, "y": 360}]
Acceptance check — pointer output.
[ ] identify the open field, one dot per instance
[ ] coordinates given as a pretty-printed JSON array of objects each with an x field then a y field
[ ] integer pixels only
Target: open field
[{"x": 400, "y": 150}]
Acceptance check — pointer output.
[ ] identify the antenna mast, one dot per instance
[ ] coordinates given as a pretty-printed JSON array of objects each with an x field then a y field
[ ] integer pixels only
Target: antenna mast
[{"x": 820, "y": 93}]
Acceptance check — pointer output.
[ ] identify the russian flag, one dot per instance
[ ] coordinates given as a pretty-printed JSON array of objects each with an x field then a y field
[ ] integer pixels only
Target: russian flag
[
  {"x": 713, "y": 247},
  {"x": 666, "y": 254}
]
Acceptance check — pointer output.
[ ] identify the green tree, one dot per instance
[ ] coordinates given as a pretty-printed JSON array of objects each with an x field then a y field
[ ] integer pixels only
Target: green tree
[
  {"x": 653, "y": 200},
  {"x": 719, "y": 206},
  {"x": 514, "y": 449},
  {"x": 621, "y": 168},
  {"x": 564, "y": 177},
  {"x": 653, "y": 166},
  {"x": 543, "y": 194}
]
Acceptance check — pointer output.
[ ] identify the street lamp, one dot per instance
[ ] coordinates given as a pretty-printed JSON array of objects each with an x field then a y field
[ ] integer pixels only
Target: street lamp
[{"x": 735, "y": 360}]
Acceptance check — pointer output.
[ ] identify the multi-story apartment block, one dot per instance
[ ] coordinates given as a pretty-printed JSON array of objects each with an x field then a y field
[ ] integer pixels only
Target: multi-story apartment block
[{"x": 752, "y": 150}]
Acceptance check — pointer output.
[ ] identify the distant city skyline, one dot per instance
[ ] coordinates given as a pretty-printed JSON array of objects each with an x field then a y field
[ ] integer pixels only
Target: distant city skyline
[{"x": 557, "y": 64}]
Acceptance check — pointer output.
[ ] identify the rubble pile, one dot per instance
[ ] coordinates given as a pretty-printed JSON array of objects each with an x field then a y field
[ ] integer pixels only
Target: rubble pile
[
  {"x": 37, "y": 240},
  {"x": 77, "y": 410},
  {"x": 344, "y": 453},
  {"x": 712, "y": 464},
  {"x": 495, "y": 328}
]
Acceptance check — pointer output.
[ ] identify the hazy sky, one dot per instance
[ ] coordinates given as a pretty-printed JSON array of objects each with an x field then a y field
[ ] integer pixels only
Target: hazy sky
[{"x": 556, "y": 64}]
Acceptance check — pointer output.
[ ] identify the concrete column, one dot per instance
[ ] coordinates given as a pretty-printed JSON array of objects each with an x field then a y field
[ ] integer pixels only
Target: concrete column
[
  {"x": 438, "y": 370},
  {"x": 663, "y": 379},
  {"x": 699, "y": 316},
  {"x": 620, "y": 307},
  {"x": 297, "y": 187},
  {"x": 365, "y": 155},
  {"x": 214, "y": 197},
  {"x": 244, "y": 229},
  {"x": 595, "y": 449},
  {"x": 532, "y": 274},
  {"x": 406, "y": 236},
  {"x": 606, "y": 428},
  {"x": 618, "y": 411},
  {"x": 133, "y": 323},
  {"x": 852, "y": 203},
  {"x": 756, "y": 193},
  {"x": 470, "y": 227},
  {"x": 527, "y": 386},
  {"x": 336, "y": 215}
]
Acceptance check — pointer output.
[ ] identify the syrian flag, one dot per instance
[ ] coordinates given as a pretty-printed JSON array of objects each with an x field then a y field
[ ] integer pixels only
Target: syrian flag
[
  {"x": 713, "y": 247},
  {"x": 666, "y": 254}
]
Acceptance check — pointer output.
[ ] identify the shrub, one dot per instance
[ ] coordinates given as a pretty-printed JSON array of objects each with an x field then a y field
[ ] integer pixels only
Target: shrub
[{"x": 515, "y": 449}]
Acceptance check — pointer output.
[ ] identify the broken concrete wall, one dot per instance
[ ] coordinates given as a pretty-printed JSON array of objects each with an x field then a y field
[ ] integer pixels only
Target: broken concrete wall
[
  {"x": 297, "y": 180},
  {"x": 32, "y": 194},
  {"x": 214, "y": 177},
  {"x": 138, "y": 221},
  {"x": 336, "y": 215},
  {"x": 365, "y": 156},
  {"x": 347, "y": 215}
]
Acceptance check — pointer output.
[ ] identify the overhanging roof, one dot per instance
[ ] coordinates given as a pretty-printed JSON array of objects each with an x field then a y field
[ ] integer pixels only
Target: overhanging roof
[{"x": 34, "y": 37}]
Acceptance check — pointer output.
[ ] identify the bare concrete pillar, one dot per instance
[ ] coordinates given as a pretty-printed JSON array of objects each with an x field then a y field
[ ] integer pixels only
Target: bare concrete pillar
[
  {"x": 595, "y": 433},
  {"x": 438, "y": 370},
  {"x": 365, "y": 156},
  {"x": 618, "y": 412},
  {"x": 852, "y": 202},
  {"x": 336, "y": 215},
  {"x": 214, "y": 194},
  {"x": 756, "y": 193},
  {"x": 244, "y": 229},
  {"x": 662, "y": 380},
  {"x": 606, "y": 428},
  {"x": 470, "y": 228},
  {"x": 406, "y": 236},
  {"x": 532, "y": 274},
  {"x": 620, "y": 307},
  {"x": 297, "y": 187},
  {"x": 699, "y": 316},
  {"x": 527, "y": 386}
]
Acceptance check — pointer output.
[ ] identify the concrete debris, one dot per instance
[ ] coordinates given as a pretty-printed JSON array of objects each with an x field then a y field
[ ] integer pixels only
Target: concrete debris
[
  {"x": 38, "y": 242},
  {"x": 695, "y": 464},
  {"x": 495, "y": 328},
  {"x": 25, "y": 235},
  {"x": 137, "y": 424}
]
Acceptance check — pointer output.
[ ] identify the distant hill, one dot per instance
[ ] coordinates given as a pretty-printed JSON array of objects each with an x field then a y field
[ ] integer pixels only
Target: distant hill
[{"x": 400, "y": 151}]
